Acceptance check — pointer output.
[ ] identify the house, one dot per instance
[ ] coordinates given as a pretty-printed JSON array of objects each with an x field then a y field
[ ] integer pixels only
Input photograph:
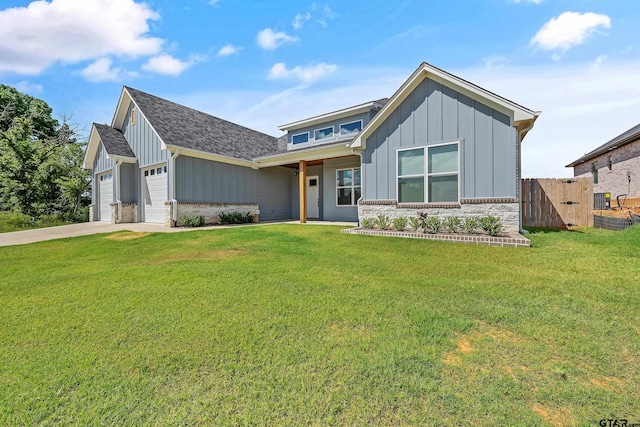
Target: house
[
  {"x": 614, "y": 166},
  {"x": 440, "y": 144}
]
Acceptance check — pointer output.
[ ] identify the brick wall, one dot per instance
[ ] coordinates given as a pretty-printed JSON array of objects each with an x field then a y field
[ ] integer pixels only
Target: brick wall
[
  {"x": 210, "y": 211},
  {"x": 615, "y": 180}
]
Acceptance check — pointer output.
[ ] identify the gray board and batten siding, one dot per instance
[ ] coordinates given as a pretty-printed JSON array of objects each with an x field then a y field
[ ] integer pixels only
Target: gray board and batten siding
[
  {"x": 207, "y": 181},
  {"x": 434, "y": 114},
  {"x": 333, "y": 212},
  {"x": 143, "y": 140},
  {"x": 274, "y": 193}
]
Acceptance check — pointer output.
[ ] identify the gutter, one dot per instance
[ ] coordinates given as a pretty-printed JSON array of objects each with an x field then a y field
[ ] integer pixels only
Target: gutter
[
  {"x": 174, "y": 201},
  {"x": 117, "y": 181}
]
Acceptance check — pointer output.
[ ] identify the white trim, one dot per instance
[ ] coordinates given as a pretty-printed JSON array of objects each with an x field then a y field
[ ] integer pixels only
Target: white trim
[
  {"x": 515, "y": 112},
  {"x": 315, "y": 131},
  {"x": 334, "y": 115},
  {"x": 348, "y": 123},
  {"x": 133, "y": 116},
  {"x": 122, "y": 159},
  {"x": 298, "y": 134},
  {"x": 92, "y": 148},
  {"x": 354, "y": 201},
  {"x": 426, "y": 173},
  {"x": 213, "y": 157},
  {"x": 294, "y": 156}
]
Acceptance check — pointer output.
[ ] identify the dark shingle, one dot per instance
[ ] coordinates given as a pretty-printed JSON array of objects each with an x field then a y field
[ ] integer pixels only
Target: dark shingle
[
  {"x": 185, "y": 127},
  {"x": 624, "y": 138},
  {"x": 114, "y": 141}
]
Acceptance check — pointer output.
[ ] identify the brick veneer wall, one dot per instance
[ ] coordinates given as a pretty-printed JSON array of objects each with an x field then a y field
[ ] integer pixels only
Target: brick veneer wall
[
  {"x": 615, "y": 180},
  {"x": 507, "y": 209},
  {"x": 210, "y": 211}
]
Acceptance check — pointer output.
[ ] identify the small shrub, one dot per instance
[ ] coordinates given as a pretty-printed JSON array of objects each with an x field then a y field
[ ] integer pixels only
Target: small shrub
[
  {"x": 470, "y": 225},
  {"x": 19, "y": 220},
  {"x": 368, "y": 223},
  {"x": 383, "y": 222},
  {"x": 433, "y": 224},
  {"x": 235, "y": 217},
  {"x": 400, "y": 223},
  {"x": 191, "y": 221},
  {"x": 414, "y": 221},
  {"x": 422, "y": 218},
  {"x": 491, "y": 225},
  {"x": 452, "y": 224}
]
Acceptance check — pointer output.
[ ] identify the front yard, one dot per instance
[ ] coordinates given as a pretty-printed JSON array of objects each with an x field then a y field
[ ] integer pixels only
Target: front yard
[{"x": 303, "y": 325}]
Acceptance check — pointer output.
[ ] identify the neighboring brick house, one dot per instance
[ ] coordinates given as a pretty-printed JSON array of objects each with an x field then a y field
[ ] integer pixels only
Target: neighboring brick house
[{"x": 614, "y": 166}]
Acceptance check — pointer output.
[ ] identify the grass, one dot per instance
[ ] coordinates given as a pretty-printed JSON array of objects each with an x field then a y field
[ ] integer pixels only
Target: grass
[
  {"x": 11, "y": 221},
  {"x": 302, "y": 325}
]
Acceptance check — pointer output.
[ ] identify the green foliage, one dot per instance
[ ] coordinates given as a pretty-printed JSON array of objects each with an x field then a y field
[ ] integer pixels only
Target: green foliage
[
  {"x": 415, "y": 223},
  {"x": 235, "y": 217},
  {"x": 452, "y": 224},
  {"x": 491, "y": 225},
  {"x": 40, "y": 160},
  {"x": 270, "y": 326},
  {"x": 383, "y": 222},
  {"x": 433, "y": 224},
  {"x": 471, "y": 225},
  {"x": 368, "y": 223},
  {"x": 422, "y": 218},
  {"x": 191, "y": 221},
  {"x": 400, "y": 223}
]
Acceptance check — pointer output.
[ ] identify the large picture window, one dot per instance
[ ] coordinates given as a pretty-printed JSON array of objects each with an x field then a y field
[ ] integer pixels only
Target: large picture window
[
  {"x": 348, "y": 186},
  {"x": 428, "y": 174}
]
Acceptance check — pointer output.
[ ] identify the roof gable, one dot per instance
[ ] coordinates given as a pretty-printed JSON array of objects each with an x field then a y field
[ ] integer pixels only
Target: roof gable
[{"x": 517, "y": 113}]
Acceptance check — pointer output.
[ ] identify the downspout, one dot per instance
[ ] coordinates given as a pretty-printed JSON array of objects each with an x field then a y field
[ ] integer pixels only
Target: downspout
[
  {"x": 521, "y": 134},
  {"x": 359, "y": 154},
  {"x": 117, "y": 180},
  {"x": 174, "y": 202}
]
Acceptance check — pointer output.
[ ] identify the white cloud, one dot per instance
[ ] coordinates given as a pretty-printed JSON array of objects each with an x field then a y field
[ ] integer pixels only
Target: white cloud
[
  {"x": 326, "y": 14},
  {"x": 299, "y": 20},
  {"x": 304, "y": 74},
  {"x": 269, "y": 39},
  {"x": 27, "y": 87},
  {"x": 528, "y": 1},
  {"x": 32, "y": 38},
  {"x": 568, "y": 30},
  {"x": 229, "y": 50},
  {"x": 101, "y": 70},
  {"x": 168, "y": 65}
]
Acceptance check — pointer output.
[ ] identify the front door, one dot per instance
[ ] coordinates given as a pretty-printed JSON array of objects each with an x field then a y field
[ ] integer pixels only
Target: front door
[{"x": 313, "y": 197}]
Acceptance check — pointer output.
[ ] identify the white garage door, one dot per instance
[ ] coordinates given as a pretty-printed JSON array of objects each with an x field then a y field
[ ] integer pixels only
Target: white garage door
[
  {"x": 105, "y": 197},
  {"x": 154, "y": 193}
]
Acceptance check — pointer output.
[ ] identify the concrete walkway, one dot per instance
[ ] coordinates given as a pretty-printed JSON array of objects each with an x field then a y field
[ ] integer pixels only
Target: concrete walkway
[{"x": 87, "y": 228}]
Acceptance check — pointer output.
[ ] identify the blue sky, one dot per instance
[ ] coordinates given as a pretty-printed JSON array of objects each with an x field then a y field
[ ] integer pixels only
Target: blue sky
[{"x": 265, "y": 63}]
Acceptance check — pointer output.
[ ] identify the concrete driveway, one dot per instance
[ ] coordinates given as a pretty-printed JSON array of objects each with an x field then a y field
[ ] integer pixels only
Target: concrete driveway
[{"x": 86, "y": 228}]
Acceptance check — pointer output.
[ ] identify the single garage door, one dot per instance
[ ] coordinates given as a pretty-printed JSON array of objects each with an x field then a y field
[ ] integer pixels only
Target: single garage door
[
  {"x": 154, "y": 194},
  {"x": 105, "y": 197}
]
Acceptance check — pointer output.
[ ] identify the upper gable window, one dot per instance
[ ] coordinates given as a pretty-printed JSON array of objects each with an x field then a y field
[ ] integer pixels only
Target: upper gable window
[
  {"x": 323, "y": 133},
  {"x": 351, "y": 128},
  {"x": 300, "y": 138},
  {"x": 132, "y": 117}
]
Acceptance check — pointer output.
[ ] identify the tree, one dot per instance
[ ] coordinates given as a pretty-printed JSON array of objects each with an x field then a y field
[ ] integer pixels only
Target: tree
[{"x": 40, "y": 160}]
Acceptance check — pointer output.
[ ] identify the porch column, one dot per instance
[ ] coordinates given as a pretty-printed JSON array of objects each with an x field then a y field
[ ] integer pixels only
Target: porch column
[{"x": 303, "y": 191}]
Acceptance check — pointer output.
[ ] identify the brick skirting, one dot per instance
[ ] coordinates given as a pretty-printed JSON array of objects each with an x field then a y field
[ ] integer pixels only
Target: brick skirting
[{"x": 514, "y": 240}]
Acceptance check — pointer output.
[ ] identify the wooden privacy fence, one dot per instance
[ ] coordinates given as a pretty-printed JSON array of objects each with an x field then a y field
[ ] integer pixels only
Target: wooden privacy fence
[{"x": 557, "y": 203}]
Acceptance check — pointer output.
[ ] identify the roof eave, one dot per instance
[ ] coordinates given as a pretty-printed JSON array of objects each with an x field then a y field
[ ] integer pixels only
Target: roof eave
[
  {"x": 598, "y": 152},
  {"x": 334, "y": 115}
]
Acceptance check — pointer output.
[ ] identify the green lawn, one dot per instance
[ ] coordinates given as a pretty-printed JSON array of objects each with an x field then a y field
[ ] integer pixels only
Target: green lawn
[{"x": 301, "y": 325}]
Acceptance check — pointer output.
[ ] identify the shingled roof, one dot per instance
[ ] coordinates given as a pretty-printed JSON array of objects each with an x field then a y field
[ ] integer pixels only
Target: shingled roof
[
  {"x": 620, "y": 140},
  {"x": 185, "y": 127},
  {"x": 114, "y": 141}
]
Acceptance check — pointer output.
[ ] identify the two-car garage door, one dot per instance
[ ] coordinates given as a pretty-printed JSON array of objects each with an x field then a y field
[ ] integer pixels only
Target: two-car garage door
[{"x": 154, "y": 193}]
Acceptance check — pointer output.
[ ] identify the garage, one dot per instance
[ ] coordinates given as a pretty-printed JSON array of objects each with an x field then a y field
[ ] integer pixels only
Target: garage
[
  {"x": 154, "y": 193},
  {"x": 106, "y": 196}
]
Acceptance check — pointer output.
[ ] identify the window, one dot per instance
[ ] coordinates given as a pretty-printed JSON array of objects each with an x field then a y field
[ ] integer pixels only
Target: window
[
  {"x": 348, "y": 186},
  {"x": 159, "y": 171},
  {"x": 323, "y": 133},
  {"x": 152, "y": 172},
  {"x": 594, "y": 170},
  {"x": 300, "y": 138},
  {"x": 164, "y": 169},
  {"x": 433, "y": 177},
  {"x": 146, "y": 173},
  {"x": 609, "y": 163},
  {"x": 351, "y": 128},
  {"x": 132, "y": 117}
]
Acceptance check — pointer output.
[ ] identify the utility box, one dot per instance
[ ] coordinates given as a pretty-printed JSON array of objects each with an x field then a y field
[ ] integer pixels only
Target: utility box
[{"x": 601, "y": 201}]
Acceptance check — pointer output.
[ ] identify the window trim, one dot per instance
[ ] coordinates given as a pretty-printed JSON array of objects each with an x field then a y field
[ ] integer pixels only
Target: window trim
[
  {"x": 298, "y": 134},
  {"x": 352, "y": 187},
  {"x": 426, "y": 173},
  {"x": 315, "y": 131},
  {"x": 133, "y": 117},
  {"x": 348, "y": 123}
]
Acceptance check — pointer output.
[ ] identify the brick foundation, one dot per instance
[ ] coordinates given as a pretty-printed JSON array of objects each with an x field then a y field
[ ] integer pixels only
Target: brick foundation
[{"x": 513, "y": 240}]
